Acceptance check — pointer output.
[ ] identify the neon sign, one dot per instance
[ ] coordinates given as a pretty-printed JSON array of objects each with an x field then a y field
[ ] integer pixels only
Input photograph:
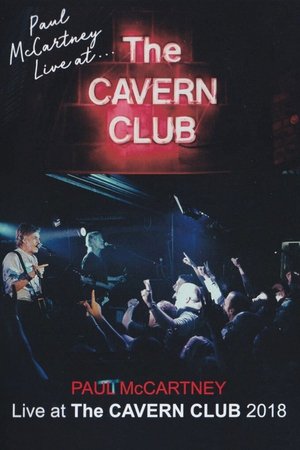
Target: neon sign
[{"x": 170, "y": 95}]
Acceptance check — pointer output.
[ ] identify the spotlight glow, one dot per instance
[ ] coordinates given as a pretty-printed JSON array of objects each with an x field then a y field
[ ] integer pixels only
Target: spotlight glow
[
  {"x": 82, "y": 232},
  {"x": 8, "y": 230}
]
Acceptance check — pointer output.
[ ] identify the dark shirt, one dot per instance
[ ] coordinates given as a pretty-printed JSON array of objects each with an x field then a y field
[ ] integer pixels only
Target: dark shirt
[{"x": 95, "y": 267}]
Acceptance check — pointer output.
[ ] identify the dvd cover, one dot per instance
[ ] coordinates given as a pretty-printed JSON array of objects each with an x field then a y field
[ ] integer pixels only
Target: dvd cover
[{"x": 149, "y": 229}]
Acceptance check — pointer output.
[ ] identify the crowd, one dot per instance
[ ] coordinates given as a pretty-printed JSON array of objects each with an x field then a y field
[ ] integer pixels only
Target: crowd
[{"x": 202, "y": 332}]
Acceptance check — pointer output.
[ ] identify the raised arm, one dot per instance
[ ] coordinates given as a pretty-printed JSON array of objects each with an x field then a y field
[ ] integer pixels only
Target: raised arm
[
  {"x": 207, "y": 278},
  {"x": 160, "y": 316},
  {"x": 249, "y": 290},
  {"x": 131, "y": 307},
  {"x": 114, "y": 340},
  {"x": 189, "y": 262}
]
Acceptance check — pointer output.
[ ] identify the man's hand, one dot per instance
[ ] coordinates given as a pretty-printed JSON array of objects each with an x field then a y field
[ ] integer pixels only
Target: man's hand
[
  {"x": 147, "y": 293},
  {"x": 147, "y": 285},
  {"x": 94, "y": 309},
  {"x": 133, "y": 302},
  {"x": 236, "y": 262},
  {"x": 91, "y": 282},
  {"x": 188, "y": 261},
  {"x": 39, "y": 270},
  {"x": 121, "y": 279},
  {"x": 87, "y": 280}
]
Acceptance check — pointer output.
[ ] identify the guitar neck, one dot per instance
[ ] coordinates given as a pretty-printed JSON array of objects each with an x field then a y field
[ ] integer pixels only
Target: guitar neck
[{"x": 99, "y": 284}]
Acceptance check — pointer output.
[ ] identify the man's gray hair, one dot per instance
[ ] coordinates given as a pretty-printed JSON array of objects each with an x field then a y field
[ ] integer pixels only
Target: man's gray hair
[{"x": 90, "y": 236}]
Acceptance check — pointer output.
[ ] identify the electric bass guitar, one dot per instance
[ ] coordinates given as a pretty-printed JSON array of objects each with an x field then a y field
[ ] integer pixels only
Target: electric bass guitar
[{"x": 89, "y": 280}]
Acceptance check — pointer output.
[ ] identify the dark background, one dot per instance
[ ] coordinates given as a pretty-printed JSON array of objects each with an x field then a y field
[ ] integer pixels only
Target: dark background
[
  {"x": 254, "y": 44},
  {"x": 253, "y": 209}
]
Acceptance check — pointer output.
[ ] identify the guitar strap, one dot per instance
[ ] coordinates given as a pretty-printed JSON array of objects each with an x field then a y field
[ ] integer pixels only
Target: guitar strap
[
  {"x": 26, "y": 272},
  {"x": 40, "y": 301}
]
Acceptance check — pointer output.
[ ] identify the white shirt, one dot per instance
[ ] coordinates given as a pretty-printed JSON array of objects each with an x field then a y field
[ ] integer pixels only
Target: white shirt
[
  {"x": 214, "y": 290},
  {"x": 13, "y": 271}
]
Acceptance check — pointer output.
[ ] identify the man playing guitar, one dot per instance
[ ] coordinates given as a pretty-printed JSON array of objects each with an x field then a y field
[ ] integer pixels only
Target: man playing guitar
[
  {"x": 20, "y": 267},
  {"x": 95, "y": 275},
  {"x": 22, "y": 279}
]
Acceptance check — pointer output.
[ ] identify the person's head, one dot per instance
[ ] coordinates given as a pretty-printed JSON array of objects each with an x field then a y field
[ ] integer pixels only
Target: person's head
[
  {"x": 240, "y": 332},
  {"x": 183, "y": 278},
  {"x": 166, "y": 307},
  {"x": 94, "y": 241},
  {"x": 234, "y": 303},
  {"x": 280, "y": 291},
  {"x": 197, "y": 347},
  {"x": 188, "y": 295},
  {"x": 28, "y": 237}
]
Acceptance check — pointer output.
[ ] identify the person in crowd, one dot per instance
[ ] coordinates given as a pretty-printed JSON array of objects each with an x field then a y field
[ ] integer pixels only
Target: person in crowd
[
  {"x": 248, "y": 288},
  {"x": 207, "y": 279},
  {"x": 117, "y": 342},
  {"x": 187, "y": 321},
  {"x": 137, "y": 329},
  {"x": 200, "y": 330},
  {"x": 234, "y": 303},
  {"x": 181, "y": 279}
]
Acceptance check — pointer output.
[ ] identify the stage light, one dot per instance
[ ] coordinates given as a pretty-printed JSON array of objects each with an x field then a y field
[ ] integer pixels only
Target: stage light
[
  {"x": 64, "y": 231},
  {"x": 195, "y": 213},
  {"x": 56, "y": 222},
  {"x": 82, "y": 232}
]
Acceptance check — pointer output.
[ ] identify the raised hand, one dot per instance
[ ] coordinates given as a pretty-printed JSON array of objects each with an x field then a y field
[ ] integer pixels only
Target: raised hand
[
  {"x": 87, "y": 280},
  {"x": 121, "y": 279},
  {"x": 147, "y": 285},
  {"x": 94, "y": 309},
  {"x": 133, "y": 302},
  {"x": 188, "y": 261},
  {"x": 236, "y": 262}
]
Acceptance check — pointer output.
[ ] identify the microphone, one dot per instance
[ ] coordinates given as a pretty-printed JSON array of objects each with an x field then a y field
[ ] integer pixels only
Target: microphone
[
  {"x": 46, "y": 249},
  {"x": 107, "y": 244}
]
